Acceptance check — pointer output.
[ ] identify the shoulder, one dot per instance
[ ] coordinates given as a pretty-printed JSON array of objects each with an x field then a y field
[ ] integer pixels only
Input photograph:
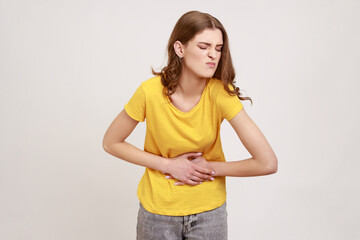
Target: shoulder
[
  {"x": 152, "y": 85},
  {"x": 153, "y": 82},
  {"x": 216, "y": 88},
  {"x": 151, "y": 90},
  {"x": 215, "y": 82},
  {"x": 228, "y": 105}
]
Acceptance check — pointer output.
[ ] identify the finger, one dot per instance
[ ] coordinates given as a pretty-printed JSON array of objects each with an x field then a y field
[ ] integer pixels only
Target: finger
[
  {"x": 200, "y": 175},
  {"x": 204, "y": 176},
  {"x": 197, "y": 159},
  {"x": 197, "y": 179},
  {"x": 191, "y": 182},
  {"x": 188, "y": 182},
  {"x": 192, "y": 155},
  {"x": 179, "y": 183},
  {"x": 203, "y": 170}
]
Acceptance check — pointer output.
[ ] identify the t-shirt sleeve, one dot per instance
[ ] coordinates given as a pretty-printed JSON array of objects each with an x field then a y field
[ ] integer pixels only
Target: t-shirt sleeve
[
  {"x": 228, "y": 105},
  {"x": 136, "y": 106}
]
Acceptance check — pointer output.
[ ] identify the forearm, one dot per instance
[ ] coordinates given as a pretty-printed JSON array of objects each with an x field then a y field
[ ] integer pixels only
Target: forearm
[
  {"x": 244, "y": 168},
  {"x": 132, "y": 154}
]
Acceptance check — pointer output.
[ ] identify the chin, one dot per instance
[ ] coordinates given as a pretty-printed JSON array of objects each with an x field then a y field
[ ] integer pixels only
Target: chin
[
  {"x": 204, "y": 74},
  {"x": 208, "y": 74}
]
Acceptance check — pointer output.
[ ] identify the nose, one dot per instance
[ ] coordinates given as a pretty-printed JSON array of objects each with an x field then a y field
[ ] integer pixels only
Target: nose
[{"x": 212, "y": 53}]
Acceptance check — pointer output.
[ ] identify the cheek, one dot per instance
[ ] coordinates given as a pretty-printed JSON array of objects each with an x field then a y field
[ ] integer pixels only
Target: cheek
[
  {"x": 197, "y": 56},
  {"x": 218, "y": 56},
  {"x": 195, "y": 59}
]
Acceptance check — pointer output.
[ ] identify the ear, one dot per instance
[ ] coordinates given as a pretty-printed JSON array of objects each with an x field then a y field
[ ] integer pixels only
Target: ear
[{"x": 179, "y": 49}]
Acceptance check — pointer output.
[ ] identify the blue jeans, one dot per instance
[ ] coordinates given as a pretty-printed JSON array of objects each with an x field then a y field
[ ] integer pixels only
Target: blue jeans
[{"x": 209, "y": 225}]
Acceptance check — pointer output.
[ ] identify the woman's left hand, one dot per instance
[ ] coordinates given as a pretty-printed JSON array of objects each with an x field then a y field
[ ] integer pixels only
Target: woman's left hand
[{"x": 201, "y": 161}]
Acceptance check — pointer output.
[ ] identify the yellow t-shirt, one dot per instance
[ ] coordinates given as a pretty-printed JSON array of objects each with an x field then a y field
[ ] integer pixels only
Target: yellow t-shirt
[{"x": 171, "y": 132}]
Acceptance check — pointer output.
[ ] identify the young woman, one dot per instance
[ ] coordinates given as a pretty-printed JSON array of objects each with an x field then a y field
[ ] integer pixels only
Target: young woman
[{"x": 182, "y": 192}]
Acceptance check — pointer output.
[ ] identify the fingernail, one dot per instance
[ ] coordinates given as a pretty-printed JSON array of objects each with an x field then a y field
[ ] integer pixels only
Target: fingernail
[
  {"x": 212, "y": 179},
  {"x": 212, "y": 172},
  {"x": 199, "y": 153},
  {"x": 200, "y": 182},
  {"x": 167, "y": 177},
  {"x": 176, "y": 183}
]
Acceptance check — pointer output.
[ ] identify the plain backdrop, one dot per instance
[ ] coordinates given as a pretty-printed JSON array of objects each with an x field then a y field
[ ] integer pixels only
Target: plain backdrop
[{"x": 67, "y": 68}]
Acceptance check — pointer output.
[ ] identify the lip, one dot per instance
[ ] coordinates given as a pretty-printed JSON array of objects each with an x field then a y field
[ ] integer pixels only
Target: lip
[{"x": 211, "y": 64}]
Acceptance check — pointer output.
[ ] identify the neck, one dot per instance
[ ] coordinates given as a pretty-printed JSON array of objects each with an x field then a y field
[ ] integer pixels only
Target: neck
[{"x": 190, "y": 85}]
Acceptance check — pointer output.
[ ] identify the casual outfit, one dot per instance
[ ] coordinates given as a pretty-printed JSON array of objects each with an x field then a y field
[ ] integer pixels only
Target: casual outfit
[{"x": 171, "y": 132}]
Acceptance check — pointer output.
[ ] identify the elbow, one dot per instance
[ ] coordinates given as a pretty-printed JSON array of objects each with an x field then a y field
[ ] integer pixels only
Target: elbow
[
  {"x": 111, "y": 147},
  {"x": 271, "y": 169},
  {"x": 272, "y": 166},
  {"x": 107, "y": 144},
  {"x": 105, "y": 147}
]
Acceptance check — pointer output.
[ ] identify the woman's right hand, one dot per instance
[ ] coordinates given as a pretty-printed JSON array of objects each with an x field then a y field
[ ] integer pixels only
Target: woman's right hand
[{"x": 184, "y": 170}]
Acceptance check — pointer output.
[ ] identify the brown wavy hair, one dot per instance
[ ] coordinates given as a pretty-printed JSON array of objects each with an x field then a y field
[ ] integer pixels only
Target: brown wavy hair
[{"x": 185, "y": 29}]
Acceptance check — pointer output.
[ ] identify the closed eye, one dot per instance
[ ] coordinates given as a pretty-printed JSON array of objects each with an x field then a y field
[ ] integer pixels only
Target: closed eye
[{"x": 217, "y": 49}]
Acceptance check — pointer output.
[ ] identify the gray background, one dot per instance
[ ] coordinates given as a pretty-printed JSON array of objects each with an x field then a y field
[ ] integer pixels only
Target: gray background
[{"x": 68, "y": 67}]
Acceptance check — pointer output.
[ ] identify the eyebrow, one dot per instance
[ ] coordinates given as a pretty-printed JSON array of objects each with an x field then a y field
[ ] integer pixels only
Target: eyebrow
[{"x": 206, "y": 43}]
